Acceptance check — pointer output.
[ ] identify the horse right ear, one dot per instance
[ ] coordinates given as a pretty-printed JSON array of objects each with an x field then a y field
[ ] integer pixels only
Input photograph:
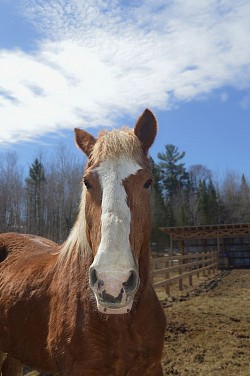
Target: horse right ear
[{"x": 85, "y": 141}]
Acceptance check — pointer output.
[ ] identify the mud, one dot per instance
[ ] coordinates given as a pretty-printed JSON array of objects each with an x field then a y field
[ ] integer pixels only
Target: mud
[{"x": 208, "y": 331}]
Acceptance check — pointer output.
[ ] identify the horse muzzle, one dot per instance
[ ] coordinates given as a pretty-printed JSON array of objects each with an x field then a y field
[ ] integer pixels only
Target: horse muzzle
[{"x": 114, "y": 291}]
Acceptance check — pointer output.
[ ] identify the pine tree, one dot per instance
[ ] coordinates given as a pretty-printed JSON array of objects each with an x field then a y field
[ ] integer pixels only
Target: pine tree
[
  {"x": 35, "y": 187},
  {"x": 173, "y": 174},
  {"x": 203, "y": 205},
  {"x": 212, "y": 203},
  {"x": 174, "y": 180}
]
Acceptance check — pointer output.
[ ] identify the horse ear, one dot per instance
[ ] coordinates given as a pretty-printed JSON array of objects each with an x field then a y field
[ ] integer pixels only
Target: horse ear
[
  {"x": 146, "y": 129},
  {"x": 85, "y": 141}
]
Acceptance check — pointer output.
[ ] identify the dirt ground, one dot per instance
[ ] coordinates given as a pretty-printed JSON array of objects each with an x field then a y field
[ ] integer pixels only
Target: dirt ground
[{"x": 208, "y": 331}]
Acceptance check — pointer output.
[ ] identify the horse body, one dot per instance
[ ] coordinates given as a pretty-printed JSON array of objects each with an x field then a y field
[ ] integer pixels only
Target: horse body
[
  {"x": 26, "y": 275},
  {"x": 88, "y": 307}
]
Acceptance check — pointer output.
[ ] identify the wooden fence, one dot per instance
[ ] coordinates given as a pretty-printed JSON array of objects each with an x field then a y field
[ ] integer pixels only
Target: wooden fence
[{"x": 175, "y": 268}]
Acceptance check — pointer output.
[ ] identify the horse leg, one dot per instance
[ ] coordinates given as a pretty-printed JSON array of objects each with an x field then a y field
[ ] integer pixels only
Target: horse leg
[{"x": 12, "y": 367}]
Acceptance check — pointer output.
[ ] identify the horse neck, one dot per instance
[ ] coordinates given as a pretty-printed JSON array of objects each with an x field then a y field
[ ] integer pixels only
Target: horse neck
[
  {"x": 74, "y": 265},
  {"x": 144, "y": 264},
  {"x": 70, "y": 296}
]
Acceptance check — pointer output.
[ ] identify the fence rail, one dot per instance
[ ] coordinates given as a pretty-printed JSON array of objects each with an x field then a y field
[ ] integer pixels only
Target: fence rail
[{"x": 182, "y": 266}]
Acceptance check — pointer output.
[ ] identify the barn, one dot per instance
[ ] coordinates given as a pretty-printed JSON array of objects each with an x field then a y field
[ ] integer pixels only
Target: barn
[{"x": 232, "y": 241}]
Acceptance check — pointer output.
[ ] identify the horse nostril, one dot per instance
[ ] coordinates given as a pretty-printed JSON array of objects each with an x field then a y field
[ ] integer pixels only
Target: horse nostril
[
  {"x": 131, "y": 283},
  {"x": 92, "y": 277}
]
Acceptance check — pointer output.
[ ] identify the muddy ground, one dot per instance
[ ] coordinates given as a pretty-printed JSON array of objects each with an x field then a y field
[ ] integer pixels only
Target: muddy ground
[{"x": 208, "y": 331}]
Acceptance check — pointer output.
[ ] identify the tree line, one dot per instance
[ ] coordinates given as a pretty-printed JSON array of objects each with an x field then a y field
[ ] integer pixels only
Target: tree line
[
  {"x": 45, "y": 200},
  {"x": 192, "y": 197}
]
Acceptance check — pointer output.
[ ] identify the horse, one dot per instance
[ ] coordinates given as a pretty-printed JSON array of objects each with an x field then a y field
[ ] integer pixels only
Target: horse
[{"x": 87, "y": 307}]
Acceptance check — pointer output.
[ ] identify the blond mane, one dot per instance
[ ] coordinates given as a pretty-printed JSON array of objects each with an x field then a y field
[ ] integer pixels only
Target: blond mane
[{"x": 77, "y": 238}]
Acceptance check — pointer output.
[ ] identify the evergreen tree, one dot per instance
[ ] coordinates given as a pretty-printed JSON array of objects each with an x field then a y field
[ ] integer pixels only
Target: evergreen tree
[
  {"x": 208, "y": 203},
  {"x": 212, "y": 203},
  {"x": 159, "y": 210},
  {"x": 173, "y": 174},
  {"x": 182, "y": 214},
  {"x": 174, "y": 181},
  {"x": 203, "y": 205},
  {"x": 35, "y": 187}
]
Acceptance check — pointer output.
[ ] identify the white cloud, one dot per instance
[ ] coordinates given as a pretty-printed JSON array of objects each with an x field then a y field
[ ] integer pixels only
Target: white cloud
[{"x": 99, "y": 60}]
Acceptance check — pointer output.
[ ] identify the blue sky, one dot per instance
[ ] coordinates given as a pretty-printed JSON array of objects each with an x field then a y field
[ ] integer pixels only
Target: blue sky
[{"x": 92, "y": 64}]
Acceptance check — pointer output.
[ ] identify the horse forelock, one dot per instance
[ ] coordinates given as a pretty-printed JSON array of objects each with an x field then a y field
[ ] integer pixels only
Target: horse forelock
[{"x": 116, "y": 143}]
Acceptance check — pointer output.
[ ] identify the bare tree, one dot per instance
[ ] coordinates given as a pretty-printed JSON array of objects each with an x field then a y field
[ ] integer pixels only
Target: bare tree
[
  {"x": 11, "y": 193},
  {"x": 63, "y": 193},
  {"x": 244, "y": 200},
  {"x": 230, "y": 194},
  {"x": 199, "y": 173}
]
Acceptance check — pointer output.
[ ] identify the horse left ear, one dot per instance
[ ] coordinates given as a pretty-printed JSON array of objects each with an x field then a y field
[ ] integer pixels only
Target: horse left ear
[
  {"x": 146, "y": 129},
  {"x": 85, "y": 141}
]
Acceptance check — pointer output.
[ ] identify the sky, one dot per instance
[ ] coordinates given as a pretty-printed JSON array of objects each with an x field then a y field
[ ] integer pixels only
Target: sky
[{"x": 99, "y": 64}]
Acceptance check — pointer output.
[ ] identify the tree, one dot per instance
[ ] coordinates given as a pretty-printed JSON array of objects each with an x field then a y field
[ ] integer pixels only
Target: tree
[
  {"x": 35, "y": 187},
  {"x": 174, "y": 181},
  {"x": 230, "y": 196},
  {"x": 244, "y": 200},
  {"x": 212, "y": 203},
  {"x": 159, "y": 210},
  {"x": 199, "y": 176},
  {"x": 173, "y": 174},
  {"x": 199, "y": 173},
  {"x": 64, "y": 189},
  {"x": 203, "y": 204},
  {"x": 11, "y": 193},
  {"x": 208, "y": 203}
]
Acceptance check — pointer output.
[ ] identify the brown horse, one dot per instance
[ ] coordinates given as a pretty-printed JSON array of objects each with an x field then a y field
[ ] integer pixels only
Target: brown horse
[{"x": 88, "y": 307}]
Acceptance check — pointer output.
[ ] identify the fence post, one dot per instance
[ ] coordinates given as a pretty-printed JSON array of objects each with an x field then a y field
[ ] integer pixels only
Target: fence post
[
  {"x": 167, "y": 286},
  {"x": 152, "y": 269},
  {"x": 190, "y": 277},
  {"x": 203, "y": 264},
  {"x": 213, "y": 269},
  {"x": 181, "y": 249},
  {"x": 218, "y": 252},
  {"x": 197, "y": 267},
  {"x": 209, "y": 263}
]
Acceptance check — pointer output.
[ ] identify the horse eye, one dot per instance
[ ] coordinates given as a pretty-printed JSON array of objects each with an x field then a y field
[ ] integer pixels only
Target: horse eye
[
  {"x": 148, "y": 183},
  {"x": 87, "y": 183}
]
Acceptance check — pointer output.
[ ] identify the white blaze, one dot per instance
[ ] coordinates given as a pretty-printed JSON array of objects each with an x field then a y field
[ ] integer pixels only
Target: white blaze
[{"x": 114, "y": 252}]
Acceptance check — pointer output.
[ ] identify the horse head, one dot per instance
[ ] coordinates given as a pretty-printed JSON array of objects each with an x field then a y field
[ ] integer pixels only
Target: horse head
[{"x": 117, "y": 210}]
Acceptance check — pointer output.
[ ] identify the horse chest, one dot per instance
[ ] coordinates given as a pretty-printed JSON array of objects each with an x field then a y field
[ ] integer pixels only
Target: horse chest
[{"x": 119, "y": 351}]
